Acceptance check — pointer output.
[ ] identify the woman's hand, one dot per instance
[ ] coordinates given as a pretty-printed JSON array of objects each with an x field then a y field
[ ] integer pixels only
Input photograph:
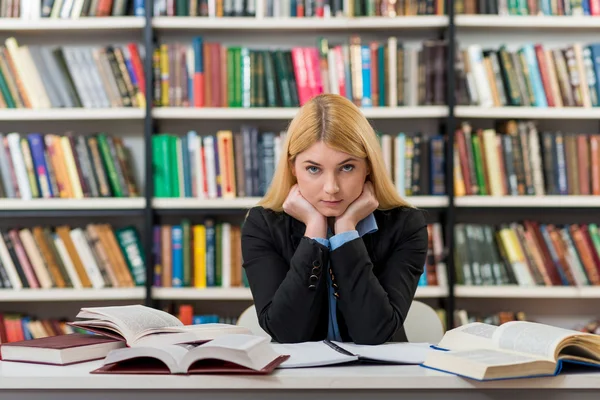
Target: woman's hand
[
  {"x": 298, "y": 207},
  {"x": 364, "y": 205}
]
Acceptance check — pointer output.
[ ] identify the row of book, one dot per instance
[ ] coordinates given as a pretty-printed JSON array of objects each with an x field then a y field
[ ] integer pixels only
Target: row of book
[
  {"x": 71, "y": 76},
  {"x": 515, "y": 159},
  {"x": 185, "y": 313},
  {"x": 527, "y": 254},
  {"x": 57, "y": 9},
  {"x": 370, "y": 73},
  {"x": 96, "y": 256},
  {"x": 208, "y": 254},
  {"x": 531, "y": 7},
  {"x": 224, "y": 165},
  {"x": 463, "y": 317},
  {"x": 65, "y": 166},
  {"x": 199, "y": 255},
  {"x": 529, "y": 76},
  {"x": 15, "y": 327},
  {"x": 416, "y": 163},
  {"x": 298, "y": 8}
]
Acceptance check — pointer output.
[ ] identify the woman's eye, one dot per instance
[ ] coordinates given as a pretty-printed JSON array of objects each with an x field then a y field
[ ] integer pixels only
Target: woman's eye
[
  {"x": 312, "y": 169},
  {"x": 347, "y": 167}
]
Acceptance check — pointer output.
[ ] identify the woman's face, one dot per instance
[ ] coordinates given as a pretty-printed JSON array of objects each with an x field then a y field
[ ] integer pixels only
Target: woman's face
[{"x": 329, "y": 179}]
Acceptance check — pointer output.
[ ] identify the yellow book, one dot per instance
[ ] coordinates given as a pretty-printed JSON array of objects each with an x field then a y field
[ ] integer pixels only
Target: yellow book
[
  {"x": 56, "y": 152},
  {"x": 493, "y": 163},
  {"x": 71, "y": 167},
  {"x": 199, "y": 240},
  {"x": 459, "y": 182},
  {"x": 164, "y": 75},
  {"x": 226, "y": 164}
]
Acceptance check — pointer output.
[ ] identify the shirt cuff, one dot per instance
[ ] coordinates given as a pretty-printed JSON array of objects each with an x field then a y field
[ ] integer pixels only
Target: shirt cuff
[
  {"x": 341, "y": 238},
  {"x": 322, "y": 241}
]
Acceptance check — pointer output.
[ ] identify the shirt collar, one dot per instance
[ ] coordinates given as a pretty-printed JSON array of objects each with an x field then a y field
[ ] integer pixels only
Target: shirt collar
[{"x": 367, "y": 225}]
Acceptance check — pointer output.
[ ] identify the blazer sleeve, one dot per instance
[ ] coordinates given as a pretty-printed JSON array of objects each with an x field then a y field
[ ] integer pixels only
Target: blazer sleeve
[
  {"x": 374, "y": 306},
  {"x": 287, "y": 295}
]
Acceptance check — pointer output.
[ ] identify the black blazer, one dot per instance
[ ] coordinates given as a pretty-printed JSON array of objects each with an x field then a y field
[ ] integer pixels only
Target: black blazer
[{"x": 376, "y": 276}]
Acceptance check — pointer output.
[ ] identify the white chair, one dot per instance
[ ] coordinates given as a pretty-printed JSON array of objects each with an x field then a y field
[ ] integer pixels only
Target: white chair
[
  {"x": 422, "y": 323},
  {"x": 249, "y": 319}
]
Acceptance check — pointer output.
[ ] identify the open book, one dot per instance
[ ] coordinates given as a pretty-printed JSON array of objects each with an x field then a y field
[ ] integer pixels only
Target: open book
[
  {"x": 316, "y": 354},
  {"x": 138, "y": 325},
  {"x": 246, "y": 354},
  {"x": 516, "y": 349}
]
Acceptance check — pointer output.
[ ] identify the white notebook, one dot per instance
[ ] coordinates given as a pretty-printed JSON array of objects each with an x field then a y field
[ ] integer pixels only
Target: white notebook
[{"x": 318, "y": 354}]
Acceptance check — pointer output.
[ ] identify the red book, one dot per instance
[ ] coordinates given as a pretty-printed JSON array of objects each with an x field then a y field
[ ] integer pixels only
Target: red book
[{"x": 60, "y": 350}]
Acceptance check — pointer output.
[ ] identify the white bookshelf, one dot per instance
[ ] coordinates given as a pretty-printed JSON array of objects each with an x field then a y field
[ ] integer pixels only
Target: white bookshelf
[
  {"x": 169, "y": 113},
  {"x": 527, "y": 292},
  {"x": 299, "y": 24},
  {"x": 242, "y": 293},
  {"x": 44, "y": 25},
  {"x": 71, "y": 114},
  {"x": 109, "y": 203},
  {"x": 527, "y": 201},
  {"x": 527, "y": 22},
  {"x": 527, "y": 112},
  {"x": 31, "y": 295},
  {"x": 249, "y": 202}
]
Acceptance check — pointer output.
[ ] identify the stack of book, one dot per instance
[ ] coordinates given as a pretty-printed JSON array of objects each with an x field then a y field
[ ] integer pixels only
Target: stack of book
[
  {"x": 370, "y": 73},
  {"x": 95, "y": 257},
  {"x": 533, "y": 75},
  {"x": 71, "y": 76},
  {"x": 527, "y": 254},
  {"x": 514, "y": 159},
  {"x": 56, "y": 9},
  {"x": 65, "y": 166}
]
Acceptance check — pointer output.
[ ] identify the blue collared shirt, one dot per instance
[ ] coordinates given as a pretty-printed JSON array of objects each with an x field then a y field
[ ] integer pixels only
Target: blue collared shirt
[{"x": 365, "y": 226}]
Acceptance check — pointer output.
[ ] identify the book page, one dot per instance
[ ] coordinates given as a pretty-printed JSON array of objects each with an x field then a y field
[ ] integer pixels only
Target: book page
[
  {"x": 398, "y": 353},
  {"x": 531, "y": 338},
  {"x": 469, "y": 336},
  {"x": 491, "y": 357},
  {"x": 134, "y": 320},
  {"x": 310, "y": 354}
]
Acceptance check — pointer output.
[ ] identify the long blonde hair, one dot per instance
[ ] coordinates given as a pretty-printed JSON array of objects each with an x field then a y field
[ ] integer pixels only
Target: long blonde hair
[{"x": 340, "y": 125}]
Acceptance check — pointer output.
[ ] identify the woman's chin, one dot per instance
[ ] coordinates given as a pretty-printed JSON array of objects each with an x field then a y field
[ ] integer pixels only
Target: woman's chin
[{"x": 330, "y": 212}]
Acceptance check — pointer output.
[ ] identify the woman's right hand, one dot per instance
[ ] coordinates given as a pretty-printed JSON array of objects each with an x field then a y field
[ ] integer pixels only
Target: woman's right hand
[{"x": 298, "y": 207}]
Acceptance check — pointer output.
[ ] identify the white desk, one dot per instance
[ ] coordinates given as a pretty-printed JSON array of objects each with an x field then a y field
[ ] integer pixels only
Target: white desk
[{"x": 30, "y": 381}]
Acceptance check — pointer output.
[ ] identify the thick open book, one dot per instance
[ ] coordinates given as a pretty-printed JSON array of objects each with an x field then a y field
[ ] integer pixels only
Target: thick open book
[
  {"x": 516, "y": 349},
  {"x": 317, "y": 354},
  {"x": 238, "y": 353},
  {"x": 138, "y": 325}
]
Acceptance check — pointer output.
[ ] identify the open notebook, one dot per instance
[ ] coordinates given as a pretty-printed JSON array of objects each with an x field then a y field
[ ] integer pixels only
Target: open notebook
[
  {"x": 323, "y": 353},
  {"x": 516, "y": 349}
]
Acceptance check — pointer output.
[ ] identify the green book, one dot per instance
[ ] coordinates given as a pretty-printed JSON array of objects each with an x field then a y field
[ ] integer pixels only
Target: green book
[
  {"x": 479, "y": 165},
  {"x": 131, "y": 246},
  {"x": 159, "y": 166},
  {"x": 113, "y": 178},
  {"x": 218, "y": 254}
]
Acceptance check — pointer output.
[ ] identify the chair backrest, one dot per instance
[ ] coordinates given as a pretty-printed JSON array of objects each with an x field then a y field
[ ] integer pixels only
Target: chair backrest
[
  {"x": 422, "y": 323},
  {"x": 249, "y": 319}
]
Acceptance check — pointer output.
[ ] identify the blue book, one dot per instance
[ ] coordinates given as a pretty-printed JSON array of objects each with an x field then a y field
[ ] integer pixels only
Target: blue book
[
  {"x": 139, "y": 8},
  {"x": 211, "y": 261},
  {"x": 516, "y": 349},
  {"x": 365, "y": 55},
  {"x": 534, "y": 76},
  {"x": 177, "y": 255}
]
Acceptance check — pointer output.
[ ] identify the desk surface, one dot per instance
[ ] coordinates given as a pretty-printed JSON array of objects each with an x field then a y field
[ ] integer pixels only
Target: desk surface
[{"x": 34, "y": 376}]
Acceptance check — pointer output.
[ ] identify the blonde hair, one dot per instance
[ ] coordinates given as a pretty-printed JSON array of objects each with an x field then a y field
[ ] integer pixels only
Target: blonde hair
[{"x": 340, "y": 125}]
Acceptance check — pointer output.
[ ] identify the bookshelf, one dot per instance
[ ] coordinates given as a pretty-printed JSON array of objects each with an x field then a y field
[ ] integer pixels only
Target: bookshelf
[
  {"x": 450, "y": 209},
  {"x": 527, "y": 22},
  {"x": 299, "y": 24},
  {"x": 72, "y": 114},
  {"x": 89, "y": 24},
  {"x": 179, "y": 113}
]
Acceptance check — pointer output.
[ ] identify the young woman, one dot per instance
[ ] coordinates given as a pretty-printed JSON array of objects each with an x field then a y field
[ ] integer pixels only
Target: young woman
[{"x": 332, "y": 251}]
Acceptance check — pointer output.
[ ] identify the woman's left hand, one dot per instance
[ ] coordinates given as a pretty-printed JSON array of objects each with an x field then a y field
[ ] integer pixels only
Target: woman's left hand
[{"x": 360, "y": 208}]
